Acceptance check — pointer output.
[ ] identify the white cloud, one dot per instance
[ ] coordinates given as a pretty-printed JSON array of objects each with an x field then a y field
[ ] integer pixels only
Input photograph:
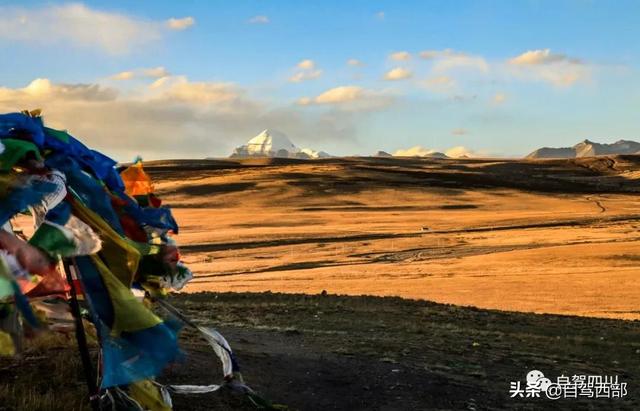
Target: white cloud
[
  {"x": 453, "y": 152},
  {"x": 448, "y": 60},
  {"x": 350, "y": 98},
  {"x": 444, "y": 53},
  {"x": 78, "y": 25},
  {"x": 439, "y": 84},
  {"x": 180, "y": 89},
  {"x": 123, "y": 75},
  {"x": 259, "y": 20},
  {"x": 340, "y": 95},
  {"x": 180, "y": 24},
  {"x": 559, "y": 76},
  {"x": 557, "y": 69},
  {"x": 306, "y": 71},
  {"x": 400, "y": 56},
  {"x": 307, "y": 64},
  {"x": 453, "y": 71},
  {"x": 416, "y": 151},
  {"x": 460, "y": 151},
  {"x": 380, "y": 15},
  {"x": 464, "y": 62},
  {"x": 153, "y": 72},
  {"x": 534, "y": 65},
  {"x": 43, "y": 88},
  {"x": 355, "y": 63},
  {"x": 173, "y": 118},
  {"x": 545, "y": 56},
  {"x": 432, "y": 54},
  {"x": 305, "y": 75},
  {"x": 398, "y": 73}
]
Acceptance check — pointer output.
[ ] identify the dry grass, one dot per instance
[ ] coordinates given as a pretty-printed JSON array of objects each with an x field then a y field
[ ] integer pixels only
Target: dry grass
[
  {"x": 48, "y": 377},
  {"x": 531, "y": 236}
]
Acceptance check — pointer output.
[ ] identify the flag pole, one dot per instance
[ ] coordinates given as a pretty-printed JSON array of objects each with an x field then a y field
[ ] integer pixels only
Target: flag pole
[{"x": 81, "y": 339}]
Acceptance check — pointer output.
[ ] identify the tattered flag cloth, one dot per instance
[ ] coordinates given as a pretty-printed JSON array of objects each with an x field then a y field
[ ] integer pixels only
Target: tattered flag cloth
[
  {"x": 14, "y": 125},
  {"x": 15, "y": 151},
  {"x": 136, "y": 181},
  {"x": 49, "y": 201},
  {"x": 114, "y": 235},
  {"x": 34, "y": 260},
  {"x": 18, "y": 192}
]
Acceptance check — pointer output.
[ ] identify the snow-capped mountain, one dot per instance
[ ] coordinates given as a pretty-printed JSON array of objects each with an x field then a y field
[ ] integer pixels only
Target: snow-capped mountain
[
  {"x": 419, "y": 151},
  {"x": 315, "y": 154},
  {"x": 273, "y": 143},
  {"x": 269, "y": 143}
]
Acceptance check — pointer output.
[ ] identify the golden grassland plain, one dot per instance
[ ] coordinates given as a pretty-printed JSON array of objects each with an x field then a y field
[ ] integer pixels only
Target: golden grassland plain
[{"x": 543, "y": 236}]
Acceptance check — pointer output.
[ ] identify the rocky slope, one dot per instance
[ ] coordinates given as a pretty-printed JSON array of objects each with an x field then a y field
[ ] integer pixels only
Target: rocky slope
[{"x": 588, "y": 148}]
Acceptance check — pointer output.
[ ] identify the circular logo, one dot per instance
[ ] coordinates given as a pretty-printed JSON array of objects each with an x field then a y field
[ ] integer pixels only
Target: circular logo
[{"x": 533, "y": 377}]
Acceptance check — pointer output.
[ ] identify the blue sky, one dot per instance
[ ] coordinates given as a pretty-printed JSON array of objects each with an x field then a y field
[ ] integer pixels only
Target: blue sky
[{"x": 496, "y": 78}]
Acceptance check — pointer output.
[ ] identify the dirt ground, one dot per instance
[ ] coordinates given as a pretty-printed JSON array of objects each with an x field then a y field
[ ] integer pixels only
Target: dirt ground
[
  {"x": 325, "y": 352},
  {"x": 553, "y": 236},
  {"x": 366, "y": 353}
]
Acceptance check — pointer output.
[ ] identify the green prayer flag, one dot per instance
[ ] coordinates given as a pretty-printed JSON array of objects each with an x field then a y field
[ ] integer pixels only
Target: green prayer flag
[
  {"x": 58, "y": 134},
  {"x": 54, "y": 240},
  {"x": 16, "y": 150}
]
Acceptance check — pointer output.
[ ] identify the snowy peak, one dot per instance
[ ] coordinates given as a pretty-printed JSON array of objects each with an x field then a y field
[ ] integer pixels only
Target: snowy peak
[
  {"x": 273, "y": 143},
  {"x": 315, "y": 154}
]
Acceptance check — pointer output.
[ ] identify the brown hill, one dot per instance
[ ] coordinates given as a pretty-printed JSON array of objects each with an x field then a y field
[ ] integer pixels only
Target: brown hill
[{"x": 588, "y": 148}]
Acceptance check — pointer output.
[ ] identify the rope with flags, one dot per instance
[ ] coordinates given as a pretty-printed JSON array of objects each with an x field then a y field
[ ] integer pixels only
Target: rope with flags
[{"x": 102, "y": 235}]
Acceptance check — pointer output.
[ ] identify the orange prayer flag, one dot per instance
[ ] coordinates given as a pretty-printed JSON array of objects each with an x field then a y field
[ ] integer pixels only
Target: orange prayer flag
[{"x": 136, "y": 181}]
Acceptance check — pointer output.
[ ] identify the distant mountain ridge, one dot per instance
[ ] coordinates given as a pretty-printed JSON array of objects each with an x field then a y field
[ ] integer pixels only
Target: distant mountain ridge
[
  {"x": 436, "y": 154},
  {"x": 588, "y": 148}
]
